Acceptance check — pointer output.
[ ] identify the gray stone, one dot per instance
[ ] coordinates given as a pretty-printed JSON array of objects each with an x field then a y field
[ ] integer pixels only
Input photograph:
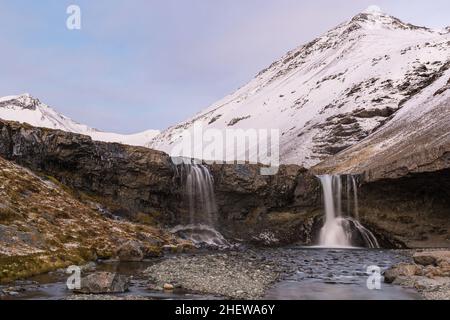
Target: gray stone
[
  {"x": 401, "y": 270},
  {"x": 130, "y": 251},
  {"x": 103, "y": 282}
]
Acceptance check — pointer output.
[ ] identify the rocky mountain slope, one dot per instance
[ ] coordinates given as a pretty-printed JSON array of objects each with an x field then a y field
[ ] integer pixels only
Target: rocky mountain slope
[
  {"x": 26, "y": 109},
  {"x": 327, "y": 95}
]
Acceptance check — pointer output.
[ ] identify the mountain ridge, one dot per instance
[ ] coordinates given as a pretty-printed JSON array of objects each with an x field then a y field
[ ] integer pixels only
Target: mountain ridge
[{"x": 25, "y": 108}]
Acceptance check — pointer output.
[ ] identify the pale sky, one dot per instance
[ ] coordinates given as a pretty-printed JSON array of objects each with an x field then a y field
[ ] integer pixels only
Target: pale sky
[{"x": 141, "y": 64}]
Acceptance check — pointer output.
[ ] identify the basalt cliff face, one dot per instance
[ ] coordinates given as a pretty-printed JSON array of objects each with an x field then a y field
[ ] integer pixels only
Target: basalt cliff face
[
  {"x": 270, "y": 210},
  {"x": 130, "y": 179}
]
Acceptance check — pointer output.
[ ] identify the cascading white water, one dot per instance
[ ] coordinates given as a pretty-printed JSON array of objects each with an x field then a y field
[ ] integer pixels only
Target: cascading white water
[
  {"x": 339, "y": 230},
  {"x": 333, "y": 233},
  {"x": 203, "y": 212},
  {"x": 355, "y": 197},
  {"x": 200, "y": 191}
]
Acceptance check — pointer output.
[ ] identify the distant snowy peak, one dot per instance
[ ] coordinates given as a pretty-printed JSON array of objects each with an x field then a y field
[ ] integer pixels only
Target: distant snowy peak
[
  {"x": 332, "y": 92},
  {"x": 26, "y": 109},
  {"x": 373, "y": 10},
  {"x": 378, "y": 19},
  {"x": 24, "y": 101}
]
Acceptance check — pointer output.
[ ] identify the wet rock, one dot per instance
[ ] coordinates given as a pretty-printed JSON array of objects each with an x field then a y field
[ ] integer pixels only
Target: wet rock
[
  {"x": 130, "y": 252},
  {"x": 103, "y": 282},
  {"x": 401, "y": 270}
]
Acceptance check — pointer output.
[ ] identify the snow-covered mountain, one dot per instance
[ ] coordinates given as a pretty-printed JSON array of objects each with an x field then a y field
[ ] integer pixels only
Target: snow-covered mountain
[
  {"x": 327, "y": 95},
  {"x": 24, "y": 108}
]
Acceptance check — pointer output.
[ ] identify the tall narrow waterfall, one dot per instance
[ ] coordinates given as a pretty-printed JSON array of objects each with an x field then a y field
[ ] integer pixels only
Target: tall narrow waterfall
[
  {"x": 198, "y": 186},
  {"x": 339, "y": 229},
  {"x": 200, "y": 191}
]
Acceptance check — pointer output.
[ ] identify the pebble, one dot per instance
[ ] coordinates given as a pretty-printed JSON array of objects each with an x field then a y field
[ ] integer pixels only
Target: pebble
[{"x": 168, "y": 287}]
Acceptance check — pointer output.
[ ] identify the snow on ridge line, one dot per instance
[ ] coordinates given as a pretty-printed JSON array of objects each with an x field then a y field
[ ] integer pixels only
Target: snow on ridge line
[{"x": 26, "y": 109}]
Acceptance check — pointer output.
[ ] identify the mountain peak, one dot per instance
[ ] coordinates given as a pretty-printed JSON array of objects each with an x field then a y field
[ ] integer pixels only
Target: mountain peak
[
  {"x": 374, "y": 18},
  {"x": 23, "y": 101},
  {"x": 375, "y": 10}
]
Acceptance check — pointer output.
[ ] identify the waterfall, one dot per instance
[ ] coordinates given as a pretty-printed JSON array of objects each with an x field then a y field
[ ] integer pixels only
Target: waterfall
[
  {"x": 333, "y": 232},
  {"x": 198, "y": 185},
  {"x": 339, "y": 230},
  {"x": 355, "y": 197},
  {"x": 199, "y": 188}
]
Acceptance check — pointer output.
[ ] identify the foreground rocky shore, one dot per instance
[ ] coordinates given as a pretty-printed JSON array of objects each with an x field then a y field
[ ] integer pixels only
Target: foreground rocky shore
[
  {"x": 283, "y": 273},
  {"x": 429, "y": 273}
]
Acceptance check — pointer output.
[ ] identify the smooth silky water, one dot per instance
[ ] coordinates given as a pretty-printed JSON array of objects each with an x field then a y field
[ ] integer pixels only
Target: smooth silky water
[
  {"x": 341, "y": 228},
  {"x": 198, "y": 186},
  {"x": 337, "y": 274}
]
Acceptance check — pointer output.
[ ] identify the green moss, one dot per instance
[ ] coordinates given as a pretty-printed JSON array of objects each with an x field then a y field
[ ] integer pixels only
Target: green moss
[{"x": 19, "y": 267}]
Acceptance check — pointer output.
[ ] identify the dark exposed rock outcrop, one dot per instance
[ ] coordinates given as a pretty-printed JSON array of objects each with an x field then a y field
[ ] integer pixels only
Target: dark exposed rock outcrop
[
  {"x": 415, "y": 210},
  {"x": 267, "y": 209},
  {"x": 130, "y": 179}
]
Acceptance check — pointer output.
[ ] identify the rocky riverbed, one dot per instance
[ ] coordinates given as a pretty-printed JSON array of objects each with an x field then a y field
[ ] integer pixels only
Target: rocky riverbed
[
  {"x": 237, "y": 275},
  {"x": 289, "y": 273}
]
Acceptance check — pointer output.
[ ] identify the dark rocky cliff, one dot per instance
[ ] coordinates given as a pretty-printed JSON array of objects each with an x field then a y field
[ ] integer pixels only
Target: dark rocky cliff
[
  {"x": 267, "y": 209},
  {"x": 131, "y": 179}
]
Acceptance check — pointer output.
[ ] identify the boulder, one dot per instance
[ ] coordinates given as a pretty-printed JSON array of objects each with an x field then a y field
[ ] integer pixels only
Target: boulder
[
  {"x": 103, "y": 282},
  {"x": 401, "y": 270},
  {"x": 130, "y": 251},
  {"x": 432, "y": 258}
]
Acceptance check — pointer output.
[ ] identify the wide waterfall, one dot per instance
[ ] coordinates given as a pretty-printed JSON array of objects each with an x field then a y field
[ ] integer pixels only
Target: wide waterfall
[
  {"x": 198, "y": 185},
  {"x": 341, "y": 227}
]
